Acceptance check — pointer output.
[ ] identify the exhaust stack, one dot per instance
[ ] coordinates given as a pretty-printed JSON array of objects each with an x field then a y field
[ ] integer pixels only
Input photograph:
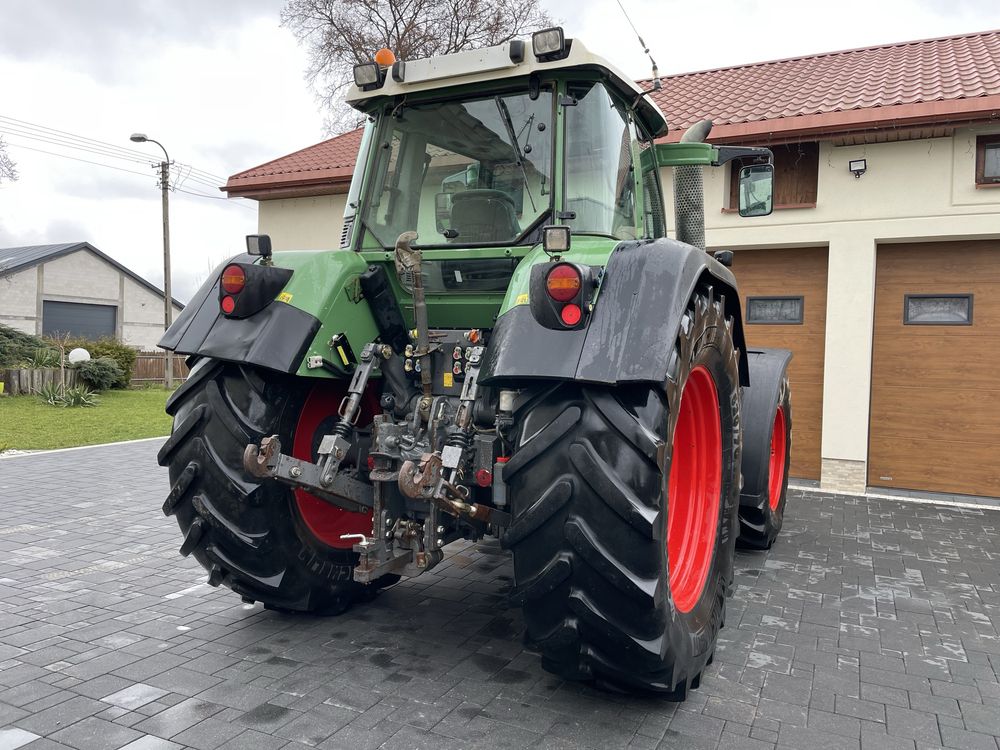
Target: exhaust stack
[{"x": 689, "y": 192}]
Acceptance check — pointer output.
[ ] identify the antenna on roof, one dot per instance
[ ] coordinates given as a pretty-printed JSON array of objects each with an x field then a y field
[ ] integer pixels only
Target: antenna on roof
[{"x": 645, "y": 48}]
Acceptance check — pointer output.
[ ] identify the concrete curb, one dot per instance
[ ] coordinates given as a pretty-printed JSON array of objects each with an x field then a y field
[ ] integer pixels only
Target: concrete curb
[
  {"x": 918, "y": 499},
  {"x": 5, "y": 456}
]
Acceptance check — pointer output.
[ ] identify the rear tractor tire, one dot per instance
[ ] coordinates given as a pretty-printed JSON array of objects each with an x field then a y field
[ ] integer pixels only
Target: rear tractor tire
[
  {"x": 625, "y": 502},
  {"x": 263, "y": 540}
]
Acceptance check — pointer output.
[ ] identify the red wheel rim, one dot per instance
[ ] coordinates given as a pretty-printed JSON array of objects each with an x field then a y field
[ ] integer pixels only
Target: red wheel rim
[
  {"x": 694, "y": 489},
  {"x": 326, "y": 522},
  {"x": 776, "y": 467}
]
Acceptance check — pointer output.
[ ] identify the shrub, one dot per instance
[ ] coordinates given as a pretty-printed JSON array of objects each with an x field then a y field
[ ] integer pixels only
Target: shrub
[
  {"x": 79, "y": 396},
  {"x": 16, "y": 347},
  {"x": 54, "y": 395},
  {"x": 41, "y": 358},
  {"x": 51, "y": 394},
  {"x": 121, "y": 353},
  {"x": 101, "y": 373}
]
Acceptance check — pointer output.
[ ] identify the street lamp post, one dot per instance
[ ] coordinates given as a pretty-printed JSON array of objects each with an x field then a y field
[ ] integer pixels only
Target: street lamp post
[{"x": 167, "y": 299}]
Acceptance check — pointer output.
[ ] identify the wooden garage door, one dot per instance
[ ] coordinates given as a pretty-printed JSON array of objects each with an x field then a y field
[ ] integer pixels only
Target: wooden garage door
[
  {"x": 935, "y": 419},
  {"x": 781, "y": 287}
]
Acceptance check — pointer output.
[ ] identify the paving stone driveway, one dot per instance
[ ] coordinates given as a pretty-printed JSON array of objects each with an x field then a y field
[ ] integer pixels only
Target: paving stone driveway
[{"x": 871, "y": 624}]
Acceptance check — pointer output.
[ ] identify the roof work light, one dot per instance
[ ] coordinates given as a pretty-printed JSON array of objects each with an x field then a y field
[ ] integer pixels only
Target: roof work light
[{"x": 549, "y": 44}]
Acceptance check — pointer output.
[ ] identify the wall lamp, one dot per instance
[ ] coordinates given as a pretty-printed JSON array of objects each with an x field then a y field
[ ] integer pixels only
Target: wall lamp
[{"x": 858, "y": 166}]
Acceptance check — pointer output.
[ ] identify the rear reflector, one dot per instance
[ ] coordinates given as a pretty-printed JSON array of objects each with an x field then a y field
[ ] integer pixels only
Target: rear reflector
[
  {"x": 234, "y": 278},
  {"x": 228, "y": 304},
  {"x": 563, "y": 282},
  {"x": 571, "y": 314}
]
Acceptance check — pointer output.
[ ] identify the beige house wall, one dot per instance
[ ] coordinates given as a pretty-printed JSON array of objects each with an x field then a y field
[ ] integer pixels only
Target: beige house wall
[
  {"x": 312, "y": 223},
  {"x": 81, "y": 277},
  {"x": 912, "y": 191},
  {"x": 19, "y": 300},
  {"x": 142, "y": 320}
]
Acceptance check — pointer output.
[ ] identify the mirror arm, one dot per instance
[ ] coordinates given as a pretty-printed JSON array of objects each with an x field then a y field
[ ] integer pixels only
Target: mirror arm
[{"x": 726, "y": 154}]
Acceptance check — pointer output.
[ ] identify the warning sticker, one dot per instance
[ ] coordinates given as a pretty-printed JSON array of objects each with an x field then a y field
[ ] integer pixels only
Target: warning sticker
[
  {"x": 522, "y": 299},
  {"x": 449, "y": 380},
  {"x": 284, "y": 297}
]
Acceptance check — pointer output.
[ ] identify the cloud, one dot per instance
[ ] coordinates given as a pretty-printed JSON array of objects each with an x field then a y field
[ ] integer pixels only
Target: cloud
[{"x": 106, "y": 37}]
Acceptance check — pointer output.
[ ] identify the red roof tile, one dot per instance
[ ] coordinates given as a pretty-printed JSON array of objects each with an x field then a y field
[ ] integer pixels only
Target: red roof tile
[
  {"x": 952, "y": 79},
  {"x": 742, "y": 100},
  {"x": 331, "y": 161}
]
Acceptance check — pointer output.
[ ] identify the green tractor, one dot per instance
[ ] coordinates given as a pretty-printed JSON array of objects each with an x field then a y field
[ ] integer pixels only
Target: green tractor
[{"x": 505, "y": 344}]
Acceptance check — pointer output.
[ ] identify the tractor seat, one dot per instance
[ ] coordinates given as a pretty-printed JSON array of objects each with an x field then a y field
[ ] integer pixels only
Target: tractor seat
[{"x": 483, "y": 216}]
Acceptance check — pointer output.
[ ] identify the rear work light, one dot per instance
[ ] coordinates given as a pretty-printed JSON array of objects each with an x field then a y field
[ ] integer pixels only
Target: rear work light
[
  {"x": 234, "y": 278},
  {"x": 563, "y": 282}
]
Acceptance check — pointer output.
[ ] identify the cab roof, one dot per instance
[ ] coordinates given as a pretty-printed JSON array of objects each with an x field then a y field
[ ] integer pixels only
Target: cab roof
[{"x": 512, "y": 59}]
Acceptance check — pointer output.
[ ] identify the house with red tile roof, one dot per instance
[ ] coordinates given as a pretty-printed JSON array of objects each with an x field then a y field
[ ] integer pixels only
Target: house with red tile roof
[{"x": 879, "y": 268}]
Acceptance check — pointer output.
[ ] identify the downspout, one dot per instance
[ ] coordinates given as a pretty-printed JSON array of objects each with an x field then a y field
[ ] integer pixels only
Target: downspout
[{"x": 689, "y": 192}]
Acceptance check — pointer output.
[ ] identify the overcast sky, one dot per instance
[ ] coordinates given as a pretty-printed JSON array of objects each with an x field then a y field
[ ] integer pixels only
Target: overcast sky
[{"x": 220, "y": 84}]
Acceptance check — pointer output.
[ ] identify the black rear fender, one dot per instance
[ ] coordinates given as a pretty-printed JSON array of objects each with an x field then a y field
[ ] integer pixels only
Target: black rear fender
[
  {"x": 277, "y": 336},
  {"x": 631, "y": 333}
]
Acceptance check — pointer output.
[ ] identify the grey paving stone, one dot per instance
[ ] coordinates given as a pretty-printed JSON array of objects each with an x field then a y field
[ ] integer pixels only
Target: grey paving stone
[
  {"x": 13, "y": 738},
  {"x": 149, "y": 742},
  {"x": 871, "y": 622},
  {"x": 208, "y": 734},
  {"x": 134, "y": 696},
  {"x": 95, "y": 734},
  {"x": 178, "y": 718},
  {"x": 914, "y": 725},
  {"x": 61, "y": 715}
]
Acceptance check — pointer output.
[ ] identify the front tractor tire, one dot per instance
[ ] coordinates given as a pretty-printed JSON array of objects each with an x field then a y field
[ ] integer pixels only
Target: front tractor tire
[
  {"x": 263, "y": 540},
  {"x": 625, "y": 515}
]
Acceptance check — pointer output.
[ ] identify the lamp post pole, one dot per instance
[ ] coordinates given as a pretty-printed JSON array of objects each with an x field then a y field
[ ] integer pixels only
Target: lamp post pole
[{"x": 167, "y": 299}]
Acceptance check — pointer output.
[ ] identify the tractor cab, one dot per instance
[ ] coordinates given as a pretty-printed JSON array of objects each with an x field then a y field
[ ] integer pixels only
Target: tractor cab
[{"x": 483, "y": 149}]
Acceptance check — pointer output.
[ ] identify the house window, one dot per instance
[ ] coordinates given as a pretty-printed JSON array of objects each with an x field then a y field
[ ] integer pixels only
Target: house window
[
  {"x": 937, "y": 310},
  {"x": 796, "y": 172},
  {"x": 988, "y": 160},
  {"x": 774, "y": 310}
]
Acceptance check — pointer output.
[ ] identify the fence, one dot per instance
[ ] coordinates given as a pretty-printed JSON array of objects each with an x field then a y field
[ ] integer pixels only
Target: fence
[
  {"x": 150, "y": 368},
  {"x": 24, "y": 382}
]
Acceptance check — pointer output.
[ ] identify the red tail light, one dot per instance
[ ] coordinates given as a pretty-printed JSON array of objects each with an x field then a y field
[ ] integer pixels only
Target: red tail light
[
  {"x": 234, "y": 278},
  {"x": 228, "y": 304},
  {"x": 571, "y": 314},
  {"x": 563, "y": 282}
]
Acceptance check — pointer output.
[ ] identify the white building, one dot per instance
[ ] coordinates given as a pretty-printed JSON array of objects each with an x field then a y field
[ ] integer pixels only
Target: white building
[
  {"x": 881, "y": 259},
  {"x": 75, "y": 288}
]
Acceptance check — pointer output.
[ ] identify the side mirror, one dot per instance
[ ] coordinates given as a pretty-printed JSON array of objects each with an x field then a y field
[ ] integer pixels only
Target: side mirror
[{"x": 757, "y": 190}]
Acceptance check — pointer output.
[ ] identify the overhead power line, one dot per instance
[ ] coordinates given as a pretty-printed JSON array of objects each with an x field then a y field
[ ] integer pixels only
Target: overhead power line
[
  {"x": 67, "y": 139},
  {"x": 131, "y": 171}
]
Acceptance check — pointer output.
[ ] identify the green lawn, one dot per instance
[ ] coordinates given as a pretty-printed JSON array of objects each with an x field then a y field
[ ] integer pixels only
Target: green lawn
[{"x": 28, "y": 424}]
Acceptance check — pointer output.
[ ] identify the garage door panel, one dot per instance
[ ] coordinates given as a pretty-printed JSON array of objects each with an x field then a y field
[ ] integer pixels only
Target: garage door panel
[
  {"x": 806, "y": 444},
  {"x": 933, "y": 360},
  {"x": 78, "y": 319},
  {"x": 807, "y": 406},
  {"x": 800, "y": 272},
  {"x": 920, "y": 463},
  {"x": 935, "y": 419},
  {"x": 966, "y": 415}
]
